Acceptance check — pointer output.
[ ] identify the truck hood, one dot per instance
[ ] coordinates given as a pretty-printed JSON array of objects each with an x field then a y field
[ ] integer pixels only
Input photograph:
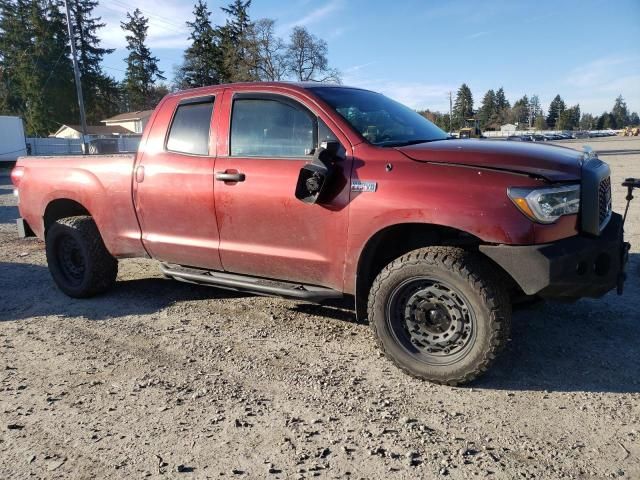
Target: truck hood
[{"x": 541, "y": 160}]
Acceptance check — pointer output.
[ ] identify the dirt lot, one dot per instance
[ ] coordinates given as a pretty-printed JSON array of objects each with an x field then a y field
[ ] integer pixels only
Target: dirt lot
[{"x": 159, "y": 378}]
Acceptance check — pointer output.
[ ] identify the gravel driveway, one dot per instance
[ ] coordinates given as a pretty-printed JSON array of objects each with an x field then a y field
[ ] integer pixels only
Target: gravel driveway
[{"x": 159, "y": 378}]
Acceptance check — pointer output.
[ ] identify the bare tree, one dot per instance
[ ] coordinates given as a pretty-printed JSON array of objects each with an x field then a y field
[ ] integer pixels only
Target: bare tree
[
  {"x": 307, "y": 58},
  {"x": 268, "y": 51}
]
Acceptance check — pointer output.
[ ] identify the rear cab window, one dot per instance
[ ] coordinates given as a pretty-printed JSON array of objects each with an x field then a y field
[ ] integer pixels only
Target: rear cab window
[{"x": 189, "y": 131}]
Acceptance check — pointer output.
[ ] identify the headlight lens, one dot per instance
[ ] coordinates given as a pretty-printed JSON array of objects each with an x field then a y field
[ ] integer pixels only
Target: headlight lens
[{"x": 546, "y": 205}]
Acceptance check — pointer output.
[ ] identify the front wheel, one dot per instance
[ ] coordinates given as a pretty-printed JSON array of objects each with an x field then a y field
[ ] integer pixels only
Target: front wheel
[
  {"x": 440, "y": 314},
  {"x": 78, "y": 261}
]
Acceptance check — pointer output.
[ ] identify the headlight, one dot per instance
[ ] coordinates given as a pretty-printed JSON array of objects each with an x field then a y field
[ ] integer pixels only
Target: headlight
[{"x": 546, "y": 205}]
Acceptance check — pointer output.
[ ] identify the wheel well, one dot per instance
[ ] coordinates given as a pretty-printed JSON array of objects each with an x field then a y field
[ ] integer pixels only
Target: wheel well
[
  {"x": 62, "y": 208},
  {"x": 393, "y": 242}
]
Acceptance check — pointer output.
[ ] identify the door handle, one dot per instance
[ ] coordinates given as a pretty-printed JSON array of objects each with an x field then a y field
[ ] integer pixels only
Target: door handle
[{"x": 228, "y": 176}]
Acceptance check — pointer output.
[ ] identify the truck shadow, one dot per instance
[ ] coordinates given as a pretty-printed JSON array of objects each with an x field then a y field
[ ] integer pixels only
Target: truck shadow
[
  {"x": 589, "y": 346},
  {"x": 27, "y": 291}
]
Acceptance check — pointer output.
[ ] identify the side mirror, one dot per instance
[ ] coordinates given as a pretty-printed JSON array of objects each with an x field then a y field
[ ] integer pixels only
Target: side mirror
[{"x": 315, "y": 176}]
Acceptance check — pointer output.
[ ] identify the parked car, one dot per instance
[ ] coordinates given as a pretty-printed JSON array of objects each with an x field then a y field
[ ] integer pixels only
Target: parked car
[
  {"x": 317, "y": 192},
  {"x": 537, "y": 137}
]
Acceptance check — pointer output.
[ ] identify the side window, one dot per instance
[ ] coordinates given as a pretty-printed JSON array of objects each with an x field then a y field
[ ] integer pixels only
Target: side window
[
  {"x": 269, "y": 128},
  {"x": 324, "y": 134},
  {"x": 189, "y": 131}
]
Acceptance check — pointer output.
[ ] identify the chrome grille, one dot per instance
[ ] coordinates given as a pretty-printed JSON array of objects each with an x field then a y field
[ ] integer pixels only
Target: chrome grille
[{"x": 604, "y": 201}]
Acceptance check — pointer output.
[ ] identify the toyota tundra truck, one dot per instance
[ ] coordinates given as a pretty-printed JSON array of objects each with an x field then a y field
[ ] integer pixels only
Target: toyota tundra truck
[{"x": 316, "y": 192}]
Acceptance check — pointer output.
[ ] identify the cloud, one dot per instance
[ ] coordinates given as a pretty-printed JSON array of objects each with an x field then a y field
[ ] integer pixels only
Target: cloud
[
  {"x": 315, "y": 15},
  {"x": 596, "y": 84},
  {"x": 475, "y": 35},
  {"x": 167, "y": 28}
]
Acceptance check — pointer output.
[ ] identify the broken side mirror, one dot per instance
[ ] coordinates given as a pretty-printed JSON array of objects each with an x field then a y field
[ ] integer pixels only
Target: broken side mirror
[{"x": 315, "y": 177}]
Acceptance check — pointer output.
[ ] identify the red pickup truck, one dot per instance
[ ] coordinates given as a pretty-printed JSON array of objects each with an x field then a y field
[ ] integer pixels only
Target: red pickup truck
[{"x": 317, "y": 192}]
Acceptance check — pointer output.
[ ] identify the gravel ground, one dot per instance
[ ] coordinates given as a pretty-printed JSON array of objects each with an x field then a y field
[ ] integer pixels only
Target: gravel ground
[{"x": 159, "y": 378}]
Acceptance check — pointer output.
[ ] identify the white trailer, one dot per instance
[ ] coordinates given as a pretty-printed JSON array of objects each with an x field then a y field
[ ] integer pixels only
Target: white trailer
[{"x": 12, "y": 141}]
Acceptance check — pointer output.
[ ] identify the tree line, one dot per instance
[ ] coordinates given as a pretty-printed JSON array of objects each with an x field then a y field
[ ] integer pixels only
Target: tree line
[
  {"x": 527, "y": 112},
  {"x": 36, "y": 71}
]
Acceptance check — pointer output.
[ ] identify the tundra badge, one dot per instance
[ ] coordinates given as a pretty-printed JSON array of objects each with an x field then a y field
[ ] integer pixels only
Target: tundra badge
[{"x": 363, "y": 186}]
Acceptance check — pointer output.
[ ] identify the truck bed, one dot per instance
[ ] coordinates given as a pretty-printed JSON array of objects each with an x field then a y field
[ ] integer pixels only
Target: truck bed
[{"x": 100, "y": 183}]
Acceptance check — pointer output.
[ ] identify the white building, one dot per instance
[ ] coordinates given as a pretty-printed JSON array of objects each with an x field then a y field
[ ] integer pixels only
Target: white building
[{"x": 134, "y": 122}]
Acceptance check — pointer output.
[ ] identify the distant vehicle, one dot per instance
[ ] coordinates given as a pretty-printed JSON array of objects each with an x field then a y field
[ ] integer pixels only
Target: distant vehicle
[
  {"x": 12, "y": 141},
  {"x": 536, "y": 137},
  {"x": 471, "y": 129},
  {"x": 317, "y": 192},
  {"x": 516, "y": 138}
]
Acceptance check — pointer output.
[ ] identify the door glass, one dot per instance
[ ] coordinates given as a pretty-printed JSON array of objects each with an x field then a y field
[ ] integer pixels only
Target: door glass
[
  {"x": 190, "y": 128},
  {"x": 268, "y": 128}
]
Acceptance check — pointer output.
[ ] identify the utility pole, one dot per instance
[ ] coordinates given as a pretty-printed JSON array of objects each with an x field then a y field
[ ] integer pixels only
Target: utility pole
[
  {"x": 450, "y": 111},
  {"x": 76, "y": 74}
]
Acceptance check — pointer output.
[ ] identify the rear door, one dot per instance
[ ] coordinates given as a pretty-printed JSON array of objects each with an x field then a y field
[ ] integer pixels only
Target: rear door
[
  {"x": 264, "y": 230},
  {"x": 173, "y": 184}
]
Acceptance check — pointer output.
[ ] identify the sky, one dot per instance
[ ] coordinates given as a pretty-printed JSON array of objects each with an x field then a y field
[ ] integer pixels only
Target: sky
[{"x": 417, "y": 51}]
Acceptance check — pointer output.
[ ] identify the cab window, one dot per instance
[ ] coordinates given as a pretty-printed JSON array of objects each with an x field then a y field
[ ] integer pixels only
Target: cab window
[
  {"x": 189, "y": 131},
  {"x": 270, "y": 128}
]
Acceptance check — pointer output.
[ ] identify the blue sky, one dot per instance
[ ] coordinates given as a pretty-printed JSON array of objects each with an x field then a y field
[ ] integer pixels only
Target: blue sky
[{"x": 417, "y": 51}]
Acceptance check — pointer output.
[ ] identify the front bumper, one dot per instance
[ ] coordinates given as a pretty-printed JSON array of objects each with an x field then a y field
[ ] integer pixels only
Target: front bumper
[{"x": 574, "y": 267}]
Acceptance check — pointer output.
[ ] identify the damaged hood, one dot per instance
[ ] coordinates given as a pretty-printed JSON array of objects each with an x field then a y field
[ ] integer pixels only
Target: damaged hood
[{"x": 541, "y": 160}]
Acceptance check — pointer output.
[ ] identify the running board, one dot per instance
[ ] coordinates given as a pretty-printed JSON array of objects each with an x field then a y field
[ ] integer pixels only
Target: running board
[{"x": 257, "y": 285}]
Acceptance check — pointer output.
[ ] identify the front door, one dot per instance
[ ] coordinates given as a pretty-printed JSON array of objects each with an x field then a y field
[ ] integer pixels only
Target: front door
[
  {"x": 264, "y": 230},
  {"x": 173, "y": 185}
]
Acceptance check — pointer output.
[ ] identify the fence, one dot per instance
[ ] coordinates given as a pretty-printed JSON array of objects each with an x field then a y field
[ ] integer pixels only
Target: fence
[{"x": 73, "y": 146}]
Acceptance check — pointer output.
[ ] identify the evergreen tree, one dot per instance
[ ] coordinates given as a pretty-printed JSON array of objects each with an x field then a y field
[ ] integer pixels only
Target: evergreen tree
[
  {"x": 502, "y": 103},
  {"x": 634, "y": 119},
  {"x": 142, "y": 68},
  {"x": 502, "y": 107},
  {"x": 35, "y": 67},
  {"x": 540, "y": 123},
  {"x": 99, "y": 90},
  {"x": 520, "y": 112},
  {"x": 234, "y": 40},
  {"x": 569, "y": 119},
  {"x": 620, "y": 112},
  {"x": 556, "y": 107},
  {"x": 463, "y": 106},
  {"x": 203, "y": 58},
  {"x": 487, "y": 111},
  {"x": 587, "y": 122}
]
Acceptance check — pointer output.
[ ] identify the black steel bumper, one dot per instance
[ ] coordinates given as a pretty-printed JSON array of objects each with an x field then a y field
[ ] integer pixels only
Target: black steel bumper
[{"x": 580, "y": 266}]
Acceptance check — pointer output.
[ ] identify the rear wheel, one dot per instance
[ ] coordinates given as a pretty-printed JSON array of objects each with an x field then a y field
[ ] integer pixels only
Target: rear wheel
[
  {"x": 440, "y": 314},
  {"x": 78, "y": 261}
]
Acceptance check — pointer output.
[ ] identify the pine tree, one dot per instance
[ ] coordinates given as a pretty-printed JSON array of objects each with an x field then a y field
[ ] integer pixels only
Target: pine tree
[
  {"x": 556, "y": 107},
  {"x": 620, "y": 112},
  {"x": 487, "y": 111},
  {"x": 463, "y": 106},
  {"x": 99, "y": 90},
  {"x": 142, "y": 68},
  {"x": 234, "y": 41},
  {"x": 634, "y": 119},
  {"x": 520, "y": 112},
  {"x": 36, "y": 67},
  {"x": 587, "y": 121},
  {"x": 502, "y": 107},
  {"x": 203, "y": 58}
]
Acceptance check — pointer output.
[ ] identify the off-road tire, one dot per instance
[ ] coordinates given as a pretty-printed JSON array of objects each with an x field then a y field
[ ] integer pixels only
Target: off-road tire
[
  {"x": 476, "y": 280},
  {"x": 94, "y": 269}
]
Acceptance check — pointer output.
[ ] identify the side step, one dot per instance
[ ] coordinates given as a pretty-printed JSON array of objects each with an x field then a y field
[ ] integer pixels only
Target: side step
[{"x": 260, "y": 286}]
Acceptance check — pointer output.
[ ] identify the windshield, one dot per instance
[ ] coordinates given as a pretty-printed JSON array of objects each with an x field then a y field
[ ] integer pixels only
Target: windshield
[{"x": 380, "y": 120}]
